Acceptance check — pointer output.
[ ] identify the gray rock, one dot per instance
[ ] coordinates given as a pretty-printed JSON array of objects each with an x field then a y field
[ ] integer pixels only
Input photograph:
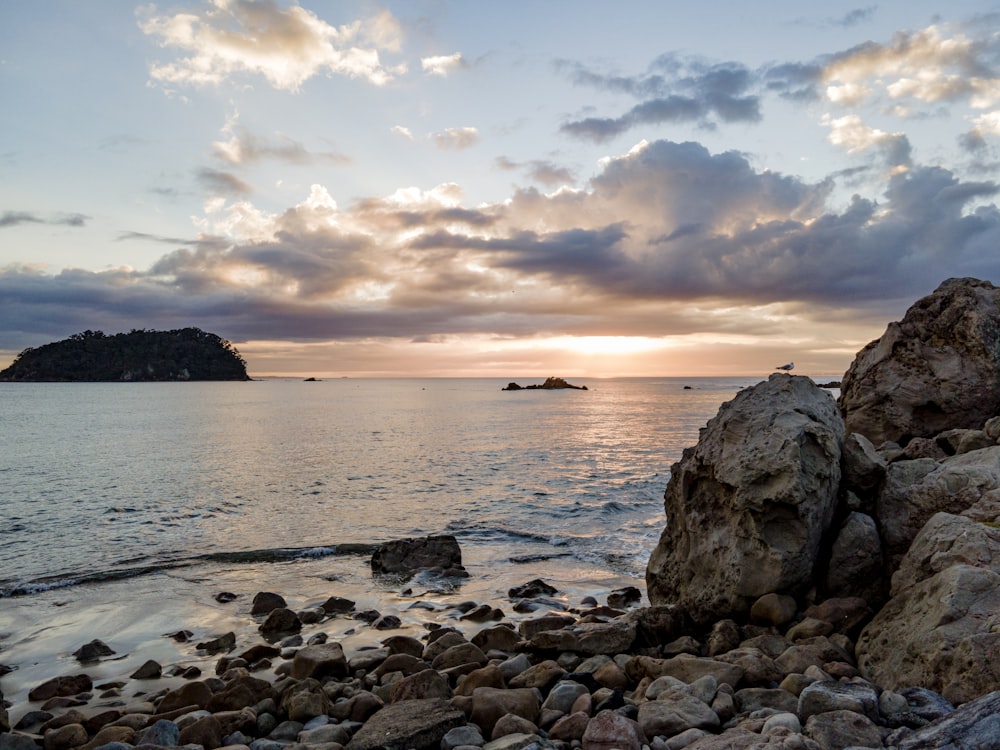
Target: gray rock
[
  {"x": 325, "y": 733},
  {"x": 563, "y": 695},
  {"x": 937, "y": 369},
  {"x": 856, "y": 566},
  {"x": 675, "y": 712},
  {"x": 419, "y": 724},
  {"x": 862, "y": 468},
  {"x": 822, "y": 697},
  {"x": 747, "y": 507},
  {"x": 323, "y": 660},
  {"x": 17, "y": 741},
  {"x": 835, "y": 730},
  {"x": 467, "y": 735},
  {"x": 942, "y": 633},
  {"x": 162, "y": 732},
  {"x": 946, "y": 540},
  {"x": 916, "y": 490},
  {"x": 974, "y": 725}
]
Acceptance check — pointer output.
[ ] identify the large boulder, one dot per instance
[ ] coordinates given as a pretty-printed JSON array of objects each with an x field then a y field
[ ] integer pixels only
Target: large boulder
[
  {"x": 916, "y": 490},
  {"x": 942, "y": 633},
  {"x": 747, "y": 507},
  {"x": 937, "y": 369}
]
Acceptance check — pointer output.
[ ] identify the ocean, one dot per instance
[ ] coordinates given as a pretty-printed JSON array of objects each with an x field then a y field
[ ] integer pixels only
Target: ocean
[{"x": 127, "y": 507}]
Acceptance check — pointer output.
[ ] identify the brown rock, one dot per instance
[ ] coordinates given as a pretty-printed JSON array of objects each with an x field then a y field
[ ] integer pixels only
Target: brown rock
[
  {"x": 206, "y": 731},
  {"x": 305, "y": 700},
  {"x": 61, "y": 686},
  {"x": 773, "y": 609},
  {"x": 571, "y": 727},
  {"x": 610, "y": 730},
  {"x": 239, "y": 693},
  {"x": 266, "y": 601},
  {"x": 542, "y": 676},
  {"x": 359, "y": 707},
  {"x": 280, "y": 621},
  {"x": 112, "y": 734},
  {"x": 461, "y": 653},
  {"x": 489, "y": 704},
  {"x": 64, "y": 738},
  {"x": 512, "y": 724},
  {"x": 427, "y": 684},
  {"x": 324, "y": 660},
  {"x": 488, "y": 676},
  {"x": 418, "y": 724},
  {"x": 189, "y": 694},
  {"x": 497, "y": 638}
]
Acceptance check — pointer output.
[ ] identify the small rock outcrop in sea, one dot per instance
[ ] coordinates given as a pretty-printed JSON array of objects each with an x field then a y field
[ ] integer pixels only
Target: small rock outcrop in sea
[
  {"x": 439, "y": 555},
  {"x": 550, "y": 384},
  {"x": 91, "y": 356},
  {"x": 936, "y": 369},
  {"x": 747, "y": 507}
]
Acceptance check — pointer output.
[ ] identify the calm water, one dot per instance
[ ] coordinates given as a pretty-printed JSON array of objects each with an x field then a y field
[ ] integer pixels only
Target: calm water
[
  {"x": 125, "y": 508},
  {"x": 117, "y": 480}
]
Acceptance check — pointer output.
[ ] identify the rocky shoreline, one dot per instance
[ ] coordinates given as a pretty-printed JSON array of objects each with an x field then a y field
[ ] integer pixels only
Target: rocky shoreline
[
  {"x": 811, "y": 590},
  {"x": 598, "y": 675}
]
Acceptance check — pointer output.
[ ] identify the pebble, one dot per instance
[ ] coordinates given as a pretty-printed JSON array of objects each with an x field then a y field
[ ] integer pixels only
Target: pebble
[{"x": 495, "y": 692}]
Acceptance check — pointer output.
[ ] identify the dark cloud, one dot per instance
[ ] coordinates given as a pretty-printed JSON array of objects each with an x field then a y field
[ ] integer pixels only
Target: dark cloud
[
  {"x": 855, "y": 17},
  {"x": 224, "y": 183},
  {"x": 539, "y": 170},
  {"x": 680, "y": 90},
  {"x": 701, "y": 227},
  {"x": 16, "y": 218}
]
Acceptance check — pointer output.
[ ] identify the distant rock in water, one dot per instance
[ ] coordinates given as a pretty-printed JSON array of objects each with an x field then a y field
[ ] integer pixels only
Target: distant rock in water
[
  {"x": 550, "y": 384},
  {"x": 140, "y": 355}
]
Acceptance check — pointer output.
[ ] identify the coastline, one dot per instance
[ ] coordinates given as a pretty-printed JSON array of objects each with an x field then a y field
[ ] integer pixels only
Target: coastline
[{"x": 39, "y": 633}]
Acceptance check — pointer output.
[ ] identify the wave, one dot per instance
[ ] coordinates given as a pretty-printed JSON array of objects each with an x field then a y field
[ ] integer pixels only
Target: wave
[{"x": 10, "y": 589}]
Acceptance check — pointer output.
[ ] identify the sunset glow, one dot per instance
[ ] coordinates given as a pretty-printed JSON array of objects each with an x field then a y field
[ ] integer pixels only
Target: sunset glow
[{"x": 425, "y": 188}]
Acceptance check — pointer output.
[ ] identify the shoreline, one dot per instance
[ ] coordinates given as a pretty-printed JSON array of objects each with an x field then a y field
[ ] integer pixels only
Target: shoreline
[
  {"x": 40, "y": 632},
  {"x": 550, "y": 669}
]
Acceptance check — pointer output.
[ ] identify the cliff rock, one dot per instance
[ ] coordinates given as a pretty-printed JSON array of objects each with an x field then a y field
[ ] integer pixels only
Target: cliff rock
[
  {"x": 938, "y": 368},
  {"x": 747, "y": 507}
]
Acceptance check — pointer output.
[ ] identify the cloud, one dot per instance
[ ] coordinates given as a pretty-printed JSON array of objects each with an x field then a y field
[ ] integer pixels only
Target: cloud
[
  {"x": 984, "y": 128},
  {"x": 17, "y": 218},
  {"x": 402, "y": 131},
  {"x": 939, "y": 64},
  {"x": 851, "y": 133},
  {"x": 650, "y": 246},
  {"x": 456, "y": 138},
  {"x": 855, "y": 17},
  {"x": 224, "y": 183},
  {"x": 287, "y": 46},
  {"x": 243, "y": 147},
  {"x": 675, "y": 90},
  {"x": 443, "y": 65},
  {"x": 540, "y": 170}
]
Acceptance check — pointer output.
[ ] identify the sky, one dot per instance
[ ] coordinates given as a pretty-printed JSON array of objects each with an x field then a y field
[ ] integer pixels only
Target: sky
[{"x": 518, "y": 189}]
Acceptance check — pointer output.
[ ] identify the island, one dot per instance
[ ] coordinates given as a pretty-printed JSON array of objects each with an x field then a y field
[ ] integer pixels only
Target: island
[
  {"x": 550, "y": 384},
  {"x": 139, "y": 355}
]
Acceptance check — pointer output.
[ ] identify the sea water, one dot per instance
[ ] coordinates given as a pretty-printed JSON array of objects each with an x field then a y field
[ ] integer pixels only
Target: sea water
[{"x": 126, "y": 506}]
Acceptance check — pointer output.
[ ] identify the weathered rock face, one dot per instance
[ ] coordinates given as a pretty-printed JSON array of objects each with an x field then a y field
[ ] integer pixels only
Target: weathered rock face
[
  {"x": 942, "y": 633},
  {"x": 938, "y": 368},
  {"x": 746, "y": 508},
  {"x": 916, "y": 490}
]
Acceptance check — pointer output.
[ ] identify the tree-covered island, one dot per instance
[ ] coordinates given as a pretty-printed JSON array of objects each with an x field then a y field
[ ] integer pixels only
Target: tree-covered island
[{"x": 139, "y": 355}]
